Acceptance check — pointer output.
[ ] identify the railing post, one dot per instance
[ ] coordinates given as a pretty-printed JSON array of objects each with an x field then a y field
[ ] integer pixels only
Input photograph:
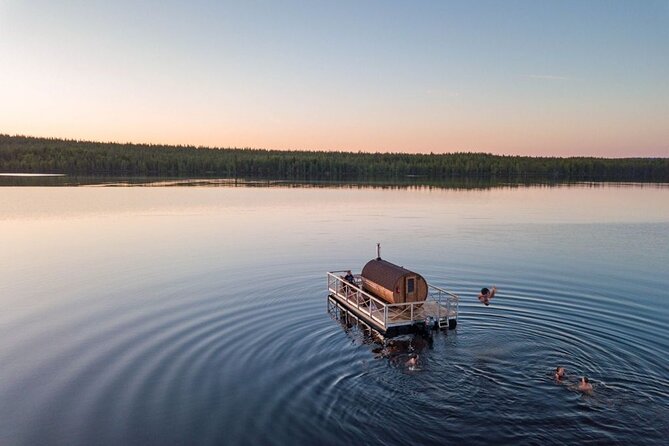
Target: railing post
[{"x": 412, "y": 312}]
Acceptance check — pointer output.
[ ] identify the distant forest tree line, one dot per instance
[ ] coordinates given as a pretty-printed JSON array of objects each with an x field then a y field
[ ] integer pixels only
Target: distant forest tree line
[{"x": 85, "y": 158}]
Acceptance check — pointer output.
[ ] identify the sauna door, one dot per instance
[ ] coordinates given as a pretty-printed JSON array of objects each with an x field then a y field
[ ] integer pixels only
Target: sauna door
[{"x": 410, "y": 289}]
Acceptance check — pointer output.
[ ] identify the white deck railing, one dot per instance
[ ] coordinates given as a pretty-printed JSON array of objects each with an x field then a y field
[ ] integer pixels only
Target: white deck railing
[
  {"x": 444, "y": 299},
  {"x": 402, "y": 313},
  {"x": 364, "y": 302}
]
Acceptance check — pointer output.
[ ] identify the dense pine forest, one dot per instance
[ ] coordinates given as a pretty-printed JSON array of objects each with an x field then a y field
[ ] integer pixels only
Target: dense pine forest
[{"x": 48, "y": 155}]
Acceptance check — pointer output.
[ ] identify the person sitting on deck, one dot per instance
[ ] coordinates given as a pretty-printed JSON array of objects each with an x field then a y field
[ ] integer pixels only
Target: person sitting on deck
[
  {"x": 584, "y": 385},
  {"x": 486, "y": 295},
  {"x": 349, "y": 278},
  {"x": 559, "y": 373}
]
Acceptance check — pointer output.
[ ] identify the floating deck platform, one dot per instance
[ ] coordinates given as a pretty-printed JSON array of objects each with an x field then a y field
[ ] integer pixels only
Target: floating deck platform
[{"x": 438, "y": 311}]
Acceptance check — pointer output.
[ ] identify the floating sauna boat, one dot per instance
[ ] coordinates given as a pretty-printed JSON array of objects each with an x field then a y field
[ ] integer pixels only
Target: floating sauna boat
[{"x": 391, "y": 299}]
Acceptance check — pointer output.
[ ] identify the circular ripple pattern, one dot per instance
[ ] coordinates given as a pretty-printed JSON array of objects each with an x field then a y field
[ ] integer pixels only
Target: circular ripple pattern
[
  {"x": 270, "y": 366},
  {"x": 242, "y": 351}
]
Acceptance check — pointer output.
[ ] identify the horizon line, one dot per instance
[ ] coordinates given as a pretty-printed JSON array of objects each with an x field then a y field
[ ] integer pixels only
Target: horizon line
[{"x": 341, "y": 151}]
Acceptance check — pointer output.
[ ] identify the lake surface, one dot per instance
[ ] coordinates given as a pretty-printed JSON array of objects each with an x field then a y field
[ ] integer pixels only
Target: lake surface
[{"x": 197, "y": 315}]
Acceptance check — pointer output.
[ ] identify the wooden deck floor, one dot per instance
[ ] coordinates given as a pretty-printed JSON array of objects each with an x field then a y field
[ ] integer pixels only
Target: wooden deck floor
[
  {"x": 420, "y": 312},
  {"x": 400, "y": 315}
]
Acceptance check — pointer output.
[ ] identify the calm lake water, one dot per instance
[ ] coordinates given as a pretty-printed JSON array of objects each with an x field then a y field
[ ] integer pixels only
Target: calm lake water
[{"x": 197, "y": 315}]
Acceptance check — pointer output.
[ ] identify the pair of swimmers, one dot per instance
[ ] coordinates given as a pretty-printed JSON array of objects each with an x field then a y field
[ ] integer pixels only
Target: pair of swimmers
[{"x": 583, "y": 384}]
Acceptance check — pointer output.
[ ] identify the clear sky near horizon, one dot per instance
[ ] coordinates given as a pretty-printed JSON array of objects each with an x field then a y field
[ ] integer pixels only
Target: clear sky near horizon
[{"x": 508, "y": 77}]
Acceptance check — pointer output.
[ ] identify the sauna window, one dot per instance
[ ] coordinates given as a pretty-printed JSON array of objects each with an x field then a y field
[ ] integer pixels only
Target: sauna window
[{"x": 411, "y": 285}]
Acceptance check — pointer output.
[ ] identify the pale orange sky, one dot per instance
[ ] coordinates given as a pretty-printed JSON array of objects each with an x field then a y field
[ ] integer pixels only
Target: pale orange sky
[{"x": 559, "y": 79}]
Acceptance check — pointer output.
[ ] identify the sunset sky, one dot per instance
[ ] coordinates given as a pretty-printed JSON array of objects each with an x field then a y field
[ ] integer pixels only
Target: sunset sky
[{"x": 507, "y": 77}]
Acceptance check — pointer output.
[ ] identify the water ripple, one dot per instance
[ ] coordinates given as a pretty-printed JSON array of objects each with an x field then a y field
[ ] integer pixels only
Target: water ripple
[{"x": 239, "y": 356}]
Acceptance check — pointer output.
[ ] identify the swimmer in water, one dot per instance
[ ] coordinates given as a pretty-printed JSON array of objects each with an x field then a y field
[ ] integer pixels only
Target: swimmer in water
[
  {"x": 584, "y": 385},
  {"x": 412, "y": 362},
  {"x": 559, "y": 373},
  {"x": 486, "y": 295}
]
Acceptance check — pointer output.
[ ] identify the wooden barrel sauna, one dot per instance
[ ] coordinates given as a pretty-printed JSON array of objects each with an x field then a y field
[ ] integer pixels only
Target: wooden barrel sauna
[{"x": 393, "y": 283}]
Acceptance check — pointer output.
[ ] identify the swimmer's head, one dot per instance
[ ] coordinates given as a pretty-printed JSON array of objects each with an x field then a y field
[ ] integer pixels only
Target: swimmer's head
[
  {"x": 585, "y": 379},
  {"x": 485, "y": 290}
]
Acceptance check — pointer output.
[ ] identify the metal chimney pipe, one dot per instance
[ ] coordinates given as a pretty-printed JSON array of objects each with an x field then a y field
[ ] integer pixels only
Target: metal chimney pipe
[{"x": 378, "y": 251}]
